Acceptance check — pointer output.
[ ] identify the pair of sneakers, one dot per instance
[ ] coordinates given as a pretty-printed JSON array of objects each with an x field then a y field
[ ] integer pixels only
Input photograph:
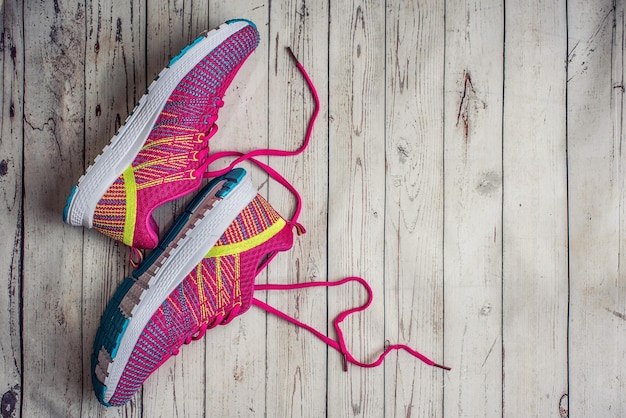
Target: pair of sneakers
[{"x": 201, "y": 273}]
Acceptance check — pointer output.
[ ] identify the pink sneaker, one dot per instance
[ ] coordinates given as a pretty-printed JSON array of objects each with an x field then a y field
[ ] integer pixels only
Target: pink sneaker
[
  {"x": 194, "y": 281},
  {"x": 176, "y": 295},
  {"x": 160, "y": 153}
]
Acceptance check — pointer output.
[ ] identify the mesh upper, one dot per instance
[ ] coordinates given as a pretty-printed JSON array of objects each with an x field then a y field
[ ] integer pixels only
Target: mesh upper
[
  {"x": 167, "y": 165},
  {"x": 208, "y": 293}
]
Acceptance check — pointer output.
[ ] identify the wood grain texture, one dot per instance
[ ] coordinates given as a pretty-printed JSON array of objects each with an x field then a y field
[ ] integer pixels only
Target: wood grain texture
[
  {"x": 479, "y": 189},
  {"x": 236, "y": 353},
  {"x": 296, "y": 360},
  {"x": 473, "y": 208},
  {"x": 11, "y": 155},
  {"x": 114, "y": 81},
  {"x": 535, "y": 275},
  {"x": 176, "y": 388},
  {"x": 597, "y": 173},
  {"x": 414, "y": 201},
  {"x": 356, "y": 201},
  {"x": 54, "y": 38}
]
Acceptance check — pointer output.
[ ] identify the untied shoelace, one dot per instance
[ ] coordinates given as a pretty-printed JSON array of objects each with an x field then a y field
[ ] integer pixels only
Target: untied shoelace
[{"x": 339, "y": 344}]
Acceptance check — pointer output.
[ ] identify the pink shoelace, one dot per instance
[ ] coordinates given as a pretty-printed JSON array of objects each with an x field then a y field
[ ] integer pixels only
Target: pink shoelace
[
  {"x": 339, "y": 344},
  {"x": 271, "y": 152},
  {"x": 136, "y": 255}
]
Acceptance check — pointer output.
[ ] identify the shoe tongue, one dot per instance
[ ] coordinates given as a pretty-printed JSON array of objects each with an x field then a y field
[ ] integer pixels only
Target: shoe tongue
[{"x": 255, "y": 219}]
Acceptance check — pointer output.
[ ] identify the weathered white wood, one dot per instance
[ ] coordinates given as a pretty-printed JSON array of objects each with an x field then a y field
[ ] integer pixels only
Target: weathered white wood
[
  {"x": 177, "y": 387},
  {"x": 296, "y": 360},
  {"x": 535, "y": 277},
  {"x": 114, "y": 82},
  {"x": 414, "y": 205},
  {"x": 236, "y": 353},
  {"x": 398, "y": 214},
  {"x": 11, "y": 153},
  {"x": 597, "y": 208},
  {"x": 54, "y": 39},
  {"x": 473, "y": 208},
  {"x": 356, "y": 198}
]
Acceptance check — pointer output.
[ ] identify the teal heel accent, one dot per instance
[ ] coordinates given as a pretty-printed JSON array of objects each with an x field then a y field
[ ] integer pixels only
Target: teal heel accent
[
  {"x": 110, "y": 341},
  {"x": 66, "y": 208},
  {"x": 184, "y": 51},
  {"x": 251, "y": 23},
  {"x": 201, "y": 37},
  {"x": 233, "y": 178}
]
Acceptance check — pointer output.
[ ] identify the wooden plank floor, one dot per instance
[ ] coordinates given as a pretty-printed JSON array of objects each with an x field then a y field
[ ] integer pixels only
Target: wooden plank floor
[{"x": 468, "y": 161}]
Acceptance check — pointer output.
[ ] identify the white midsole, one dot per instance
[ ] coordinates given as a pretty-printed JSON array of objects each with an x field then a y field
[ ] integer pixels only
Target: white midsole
[
  {"x": 128, "y": 141},
  {"x": 181, "y": 261}
]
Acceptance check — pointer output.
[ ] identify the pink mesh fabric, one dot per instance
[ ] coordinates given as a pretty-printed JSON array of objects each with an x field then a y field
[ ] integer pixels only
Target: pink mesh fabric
[
  {"x": 218, "y": 289},
  {"x": 171, "y": 163},
  {"x": 110, "y": 212}
]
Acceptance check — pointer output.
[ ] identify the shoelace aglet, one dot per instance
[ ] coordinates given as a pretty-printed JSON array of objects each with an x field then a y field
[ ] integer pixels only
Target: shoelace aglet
[
  {"x": 345, "y": 363},
  {"x": 299, "y": 228},
  {"x": 440, "y": 366},
  {"x": 293, "y": 56},
  {"x": 136, "y": 257}
]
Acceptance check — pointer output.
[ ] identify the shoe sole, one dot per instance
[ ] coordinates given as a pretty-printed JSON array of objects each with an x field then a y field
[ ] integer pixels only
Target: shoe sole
[
  {"x": 136, "y": 300},
  {"x": 130, "y": 138}
]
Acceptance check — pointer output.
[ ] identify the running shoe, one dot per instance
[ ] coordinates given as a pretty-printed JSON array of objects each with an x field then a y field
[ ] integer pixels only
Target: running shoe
[
  {"x": 160, "y": 153},
  {"x": 137, "y": 330},
  {"x": 178, "y": 294}
]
